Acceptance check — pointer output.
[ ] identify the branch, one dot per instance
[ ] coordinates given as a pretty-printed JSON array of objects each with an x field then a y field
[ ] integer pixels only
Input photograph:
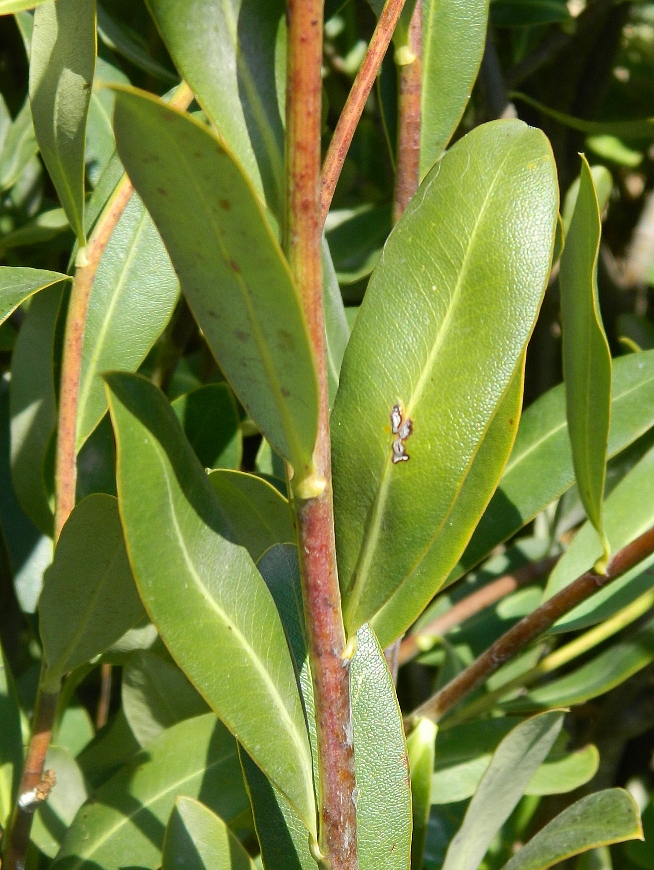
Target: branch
[
  {"x": 353, "y": 109},
  {"x": 315, "y": 522},
  {"x": 532, "y": 626},
  {"x": 408, "y": 135}
]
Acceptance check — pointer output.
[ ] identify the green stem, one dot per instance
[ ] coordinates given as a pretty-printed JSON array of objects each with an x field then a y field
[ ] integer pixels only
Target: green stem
[{"x": 315, "y": 522}]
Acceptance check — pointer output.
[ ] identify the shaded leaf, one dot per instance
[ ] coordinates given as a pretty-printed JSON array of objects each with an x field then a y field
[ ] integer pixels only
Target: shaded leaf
[
  {"x": 11, "y": 741},
  {"x": 463, "y": 244},
  {"x": 100, "y": 144},
  {"x": 179, "y": 539},
  {"x": 622, "y": 129},
  {"x": 124, "y": 825},
  {"x": 19, "y": 148},
  {"x": 45, "y": 226},
  {"x": 130, "y": 45},
  {"x": 61, "y": 75},
  {"x": 18, "y": 283},
  {"x": 528, "y": 13},
  {"x": 218, "y": 237},
  {"x": 609, "y": 816},
  {"x": 54, "y": 816},
  {"x": 336, "y": 326},
  {"x": 454, "y": 33},
  {"x": 210, "y": 421},
  {"x": 232, "y": 54},
  {"x": 420, "y": 750},
  {"x": 78, "y": 621},
  {"x": 586, "y": 354},
  {"x": 197, "y": 839}
]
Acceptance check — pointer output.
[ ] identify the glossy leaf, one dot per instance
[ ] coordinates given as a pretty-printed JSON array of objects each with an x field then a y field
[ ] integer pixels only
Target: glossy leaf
[
  {"x": 603, "y": 184},
  {"x": 231, "y": 269},
  {"x": 124, "y": 824},
  {"x": 604, "y": 672},
  {"x": 420, "y": 750},
  {"x": 19, "y": 283},
  {"x": 539, "y": 469},
  {"x": 210, "y": 421},
  {"x": 483, "y": 474},
  {"x": 259, "y": 515},
  {"x": 384, "y": 799},
  {"x": 189, "y": 573},
  {"x": 463, "y": 243},
  {"x": 100, "y": 143},
  {"x": 11, "y": 741},
  {"x": 231, "y": 55},
  {"x": 133, "y": 296},
  {"x": 78, "y": 621},
  {"x": 55, "y": 815},
  {"x": 33, "y": 406},
  {"x": 197, "y": 839},
  {"x": 20, "y": 146},
  {"x": 586, "y": 354},
  {"x": 514, "y": 762},
  {"x": 61, "y": 76},
  {"x": 629, "y": 511},
  {"x": 156, "y": 695},
  {"x": 454, "y": 33},
  {"x": 609, "y": 816}
]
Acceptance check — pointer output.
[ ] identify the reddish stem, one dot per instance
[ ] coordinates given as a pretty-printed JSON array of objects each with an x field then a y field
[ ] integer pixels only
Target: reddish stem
[
  {"x": 532, "y": 626},
  {"x": 408, "y": 138},
  {"x": 354, "y": 105},
  {"x": 315, "y": 523}
]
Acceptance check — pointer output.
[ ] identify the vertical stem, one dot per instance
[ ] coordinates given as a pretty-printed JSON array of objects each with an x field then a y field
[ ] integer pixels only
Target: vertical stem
[
  {"x": 320, "y": 590},
  {"x": 408, "y": 137}
]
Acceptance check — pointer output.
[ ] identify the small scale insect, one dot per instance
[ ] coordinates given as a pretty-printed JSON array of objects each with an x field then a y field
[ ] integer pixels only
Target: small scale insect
[
  {"x": 40, "y": 793},
  {"x": 401, "y": 428}
]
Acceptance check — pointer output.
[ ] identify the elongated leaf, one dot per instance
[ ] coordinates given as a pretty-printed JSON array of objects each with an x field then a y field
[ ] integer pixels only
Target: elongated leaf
[
  {"x": 197, "y": 839},
  {"x": 539, "y": 469},
  {"x": 232, "y": 271},
  {"x": 11, "y": 741},
  {"x": 119, "y": 37},
  {"x": 259, "y": 515},
  {"x": 603, "y": 183},
  {"x": 629, "y": 511},
  {"x": 420, "y": 749},
  {"x": 566, "y": 773},
  {"x": 518, "y": 13},
  {"x": 422, "y": 583},
  {"x": 156, "y": 695},
  {"x": 19, "y": 148},
  {"x": 639, "y": 129},
  {"x": 513, "y": 764},
  {"x": 453, "y": 38},
  {"x": 586, "y": 354},
  {"x": 336, "y": 328},
  {"x": 100, "y": 143},
  {"x": 19, "y": 283},
  {"x": 55, "y": 815},
  {"x": 190, "y": 574},
  {"x": 609, "y": 816},
  {"x": 79, "y": 621},
  {"x": 462, "y": 242},
  {"x": 61, "y": 75},
  {"x": 604, "y": 672},
  {"x": 45, "y": 226},
  {"x": 124, "y": 825},
  {"x": 210, "y": 421},
  {"x": 231, "y": 54},
  {"x": 33, "y": 406},
  {"x": 7, "y": 7},
  {"x": 132, "y": 299}
]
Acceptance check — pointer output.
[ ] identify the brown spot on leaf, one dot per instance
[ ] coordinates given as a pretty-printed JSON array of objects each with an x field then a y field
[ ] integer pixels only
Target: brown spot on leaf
[
  {"x": 162, "y": 191},
  {"x": 286, "y": 340},
  {"x": 241, "y": 334},
  {"x": 234, "y": 266},
  {"x": 226, "y": 204},
  {"x": 286, "y": 392}
]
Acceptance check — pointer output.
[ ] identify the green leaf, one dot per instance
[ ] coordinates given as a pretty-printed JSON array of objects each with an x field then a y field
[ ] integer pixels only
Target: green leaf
[
  {"x": 603, "y": 183},
  {"x": 33, "y": 406},
  {"x": 609, "y": 816},
  {"x": 528, "y": 13},
  {"x": 606, "y": 671},
  {"x": 197, "y": 839},
  {"x": 231, "y": 53},
  {"x": 124, "y": 824},
  {"x": 56, "y": 814},
  {"x": 463, "y": 243},
  {"x": 513, "y": 764},
  {"x": 45, "y": 226},
  {"x": 420, "y": 746},
  {"x": 190, "y": 574},
  {"x": 11, "y": 741},
  {"x": 112, "y": 746},
  {"x": 19, "y": 283},
  {"x": 539, "y": 469},
  {"x": 120, "y": 38},
  {"x": 7, "y": 7},
  {"x": 565, "y": 773},
  {"x": 586, "y": 355},
  {"x": 628, "y": 512},
  {"x": 640, "y": 129},
  {"x": 336, "y": 327},
  {"x": 231, "y": 269},
  {"x": 133, "y": 297},
  {"x": 100, "y": 143},
  {"x": 79, "y": 621},
  {"x": 483, "y": 474},
  {"x": 19, "y": 148},
  {"x": 210, "y": 421},
  {"x": 454, "y": 32},
  {"x": 156, "y": 695},
  {"x": 61, "y": 76},
  {"x": 356, "y": 237},
  {"x": 259, "y": 515}
]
